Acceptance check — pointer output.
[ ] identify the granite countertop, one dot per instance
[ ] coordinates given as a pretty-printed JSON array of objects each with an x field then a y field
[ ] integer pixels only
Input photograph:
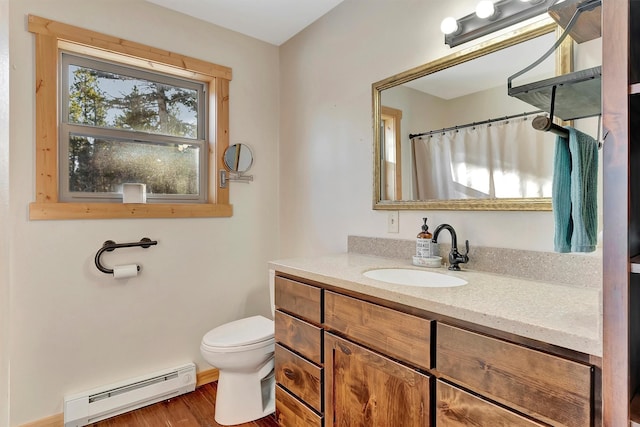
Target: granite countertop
[{"x": 566, "y": 316}]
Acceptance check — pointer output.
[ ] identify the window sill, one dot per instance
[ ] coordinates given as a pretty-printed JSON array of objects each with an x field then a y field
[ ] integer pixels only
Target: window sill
[{"x": 52, "y": 211}]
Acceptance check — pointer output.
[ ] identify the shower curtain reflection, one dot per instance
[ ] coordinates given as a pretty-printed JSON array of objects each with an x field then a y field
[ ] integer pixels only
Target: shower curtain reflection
[{"x": 504, "y": 159}]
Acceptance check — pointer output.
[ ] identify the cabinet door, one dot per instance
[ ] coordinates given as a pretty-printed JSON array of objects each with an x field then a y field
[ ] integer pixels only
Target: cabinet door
[{"x": 364, "y": 388}]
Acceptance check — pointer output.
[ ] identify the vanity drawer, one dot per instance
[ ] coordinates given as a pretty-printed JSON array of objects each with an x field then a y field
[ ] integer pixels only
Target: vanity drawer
[
  {"x": 458, "y": 408},
  {"x": 299, "y": 299},
  {"x": 547, "y": 387},
  {"x": 393, "y": 333},
  {"x": 299, "y": 376},
  {"x": 299, "y": 335},
  {"x": 290, "y": 412}
]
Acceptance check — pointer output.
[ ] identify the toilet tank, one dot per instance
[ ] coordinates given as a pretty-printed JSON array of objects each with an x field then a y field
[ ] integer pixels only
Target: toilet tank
[{"x": 272, "y": 291}]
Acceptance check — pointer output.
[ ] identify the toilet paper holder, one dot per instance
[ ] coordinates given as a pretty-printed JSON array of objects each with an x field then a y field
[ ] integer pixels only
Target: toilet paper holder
[{"x": 110, "y": 246}]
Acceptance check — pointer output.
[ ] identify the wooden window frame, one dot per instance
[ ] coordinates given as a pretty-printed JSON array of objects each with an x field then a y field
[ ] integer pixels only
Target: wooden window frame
[
  {"x": 395, "y": 115},
  {"x": 50, "y": 37}
]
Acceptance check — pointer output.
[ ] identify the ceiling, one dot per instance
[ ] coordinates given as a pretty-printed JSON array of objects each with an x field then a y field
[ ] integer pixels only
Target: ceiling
[
  {"x": 272, "y": 21},
  {"x": 276, "y": 21},
  {"x": 490, "y": 71}
]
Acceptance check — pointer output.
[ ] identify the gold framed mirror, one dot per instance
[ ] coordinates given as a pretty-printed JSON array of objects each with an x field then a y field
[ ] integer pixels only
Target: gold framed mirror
[{"x": 413, "y": 108}]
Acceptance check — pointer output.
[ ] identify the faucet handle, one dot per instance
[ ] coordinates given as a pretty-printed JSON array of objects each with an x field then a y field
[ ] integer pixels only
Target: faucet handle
[
  {"x": 465, "y": 256},
  {"x": 456, "y": 257}
]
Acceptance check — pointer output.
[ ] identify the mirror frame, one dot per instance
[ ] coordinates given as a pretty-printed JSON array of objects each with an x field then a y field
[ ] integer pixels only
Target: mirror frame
[
  {"x": 564, "y": 64},
  {"x": 238, "y": 146}
]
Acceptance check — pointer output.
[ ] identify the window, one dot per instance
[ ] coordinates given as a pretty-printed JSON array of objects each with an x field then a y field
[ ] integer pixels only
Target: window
[
  {"x": 120, "y": 125},
  {"x": 124, "y": 112},
  {"x": 390, "y": 138}
]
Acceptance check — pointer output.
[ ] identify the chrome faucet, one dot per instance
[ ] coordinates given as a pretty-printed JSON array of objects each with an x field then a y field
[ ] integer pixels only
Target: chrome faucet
[{"x": 455, "y": 257}]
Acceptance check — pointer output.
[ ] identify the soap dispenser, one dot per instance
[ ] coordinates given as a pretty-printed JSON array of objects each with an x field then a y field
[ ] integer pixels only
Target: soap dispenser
[{"x": 423, "y": 242}]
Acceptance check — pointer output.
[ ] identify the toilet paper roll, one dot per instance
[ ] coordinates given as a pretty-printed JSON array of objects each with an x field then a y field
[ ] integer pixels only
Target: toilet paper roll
[
  {"x": 134, "y": 193},
  {"x": 125, "y": 271}
]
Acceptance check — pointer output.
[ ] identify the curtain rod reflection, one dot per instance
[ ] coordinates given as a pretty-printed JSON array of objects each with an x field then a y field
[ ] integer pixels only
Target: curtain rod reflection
[{"x": 484, "y": 122}]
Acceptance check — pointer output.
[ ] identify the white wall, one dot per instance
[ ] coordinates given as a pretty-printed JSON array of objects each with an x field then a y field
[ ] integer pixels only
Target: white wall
[
  {"x": 4, "y": 213},
  {"x": 326, "y": 129},
  {"x": 420, "y": 111},
  {"x": 74, "y": 328}
]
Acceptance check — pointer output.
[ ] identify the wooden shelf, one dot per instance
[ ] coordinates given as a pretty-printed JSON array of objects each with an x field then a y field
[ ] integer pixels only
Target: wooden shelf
[
  {"x": 588, "y": 25},
  {"x": 577, "y": 94}
]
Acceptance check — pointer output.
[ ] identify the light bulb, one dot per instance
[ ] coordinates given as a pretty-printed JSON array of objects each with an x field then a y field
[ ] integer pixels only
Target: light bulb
[
  {"x": 449, "y": 25},
  {"x": 485, "y": 9}
]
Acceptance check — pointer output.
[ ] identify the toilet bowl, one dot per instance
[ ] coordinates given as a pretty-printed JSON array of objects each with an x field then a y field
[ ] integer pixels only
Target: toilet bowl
[{"x": 243, "y": 352}]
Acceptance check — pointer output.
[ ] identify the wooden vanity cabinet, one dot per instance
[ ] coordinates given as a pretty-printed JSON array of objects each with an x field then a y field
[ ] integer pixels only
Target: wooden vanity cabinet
[
  {"x": 298, "y": 354},
  {"x": 354, "y": 362},
  {"x": 365, "y": 383},
  {"x": 547, "y": 387}
]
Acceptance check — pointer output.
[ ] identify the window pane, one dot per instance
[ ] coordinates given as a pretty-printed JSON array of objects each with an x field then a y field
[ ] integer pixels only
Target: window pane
[
  {"x": 102, "y": 165},
  {"x": 115, "y": 100}
]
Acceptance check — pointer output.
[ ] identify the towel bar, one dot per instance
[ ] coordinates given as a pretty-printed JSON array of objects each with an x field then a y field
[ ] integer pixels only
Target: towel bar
[
  {"x": 544, "y": 123},
  {"x": 110, "y": 246}
]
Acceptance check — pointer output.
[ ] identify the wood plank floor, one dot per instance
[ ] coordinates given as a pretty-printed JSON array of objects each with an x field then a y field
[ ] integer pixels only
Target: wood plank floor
[{"x": 195, "y": 409}]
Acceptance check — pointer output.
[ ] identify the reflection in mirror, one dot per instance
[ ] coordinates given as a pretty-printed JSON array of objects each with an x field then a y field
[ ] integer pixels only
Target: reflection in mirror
[
  {"x": 391, "y": 136},
  {"x": 238, "y": 158},
  {"x": 441, "y": 137}
]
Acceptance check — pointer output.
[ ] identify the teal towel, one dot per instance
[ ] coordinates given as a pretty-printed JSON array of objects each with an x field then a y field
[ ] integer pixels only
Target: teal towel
[{"x": 574, "y": 194}]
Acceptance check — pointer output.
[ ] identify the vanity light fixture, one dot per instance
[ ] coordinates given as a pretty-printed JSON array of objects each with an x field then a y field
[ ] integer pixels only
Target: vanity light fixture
[
  {"x": 485, "y": 10},
  {"x": 449, "y": 25},
  {"x": 489, "y": 17}
]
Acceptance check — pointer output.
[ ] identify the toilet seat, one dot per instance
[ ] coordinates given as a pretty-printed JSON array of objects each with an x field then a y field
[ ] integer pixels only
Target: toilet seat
[{"x": 243, "y": 334}]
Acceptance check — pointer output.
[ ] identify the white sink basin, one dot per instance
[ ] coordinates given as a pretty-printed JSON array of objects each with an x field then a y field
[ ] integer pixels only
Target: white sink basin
[{"x": 411, "y": 277}]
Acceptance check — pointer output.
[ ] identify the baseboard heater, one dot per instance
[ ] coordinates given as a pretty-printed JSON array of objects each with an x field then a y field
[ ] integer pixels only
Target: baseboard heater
[{"x": 105, "y": 402}]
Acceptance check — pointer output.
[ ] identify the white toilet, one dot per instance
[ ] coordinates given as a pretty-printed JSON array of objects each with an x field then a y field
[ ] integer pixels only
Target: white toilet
[{"x": 243, "y": 352}]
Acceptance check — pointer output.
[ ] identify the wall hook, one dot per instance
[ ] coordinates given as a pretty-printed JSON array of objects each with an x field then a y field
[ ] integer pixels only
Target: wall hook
[{"x": 110, "y": 246}]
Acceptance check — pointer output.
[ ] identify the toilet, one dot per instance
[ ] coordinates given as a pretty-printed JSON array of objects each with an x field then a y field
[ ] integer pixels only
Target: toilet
[{"x": 243, "y": 352}]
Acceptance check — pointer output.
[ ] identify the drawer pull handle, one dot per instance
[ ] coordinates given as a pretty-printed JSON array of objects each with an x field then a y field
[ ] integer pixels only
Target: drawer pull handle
[{"x": 290, "y": 374}]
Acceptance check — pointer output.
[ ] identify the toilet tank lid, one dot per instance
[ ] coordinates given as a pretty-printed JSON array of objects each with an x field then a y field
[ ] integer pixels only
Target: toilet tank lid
[{"x": 245, "y": 331}]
